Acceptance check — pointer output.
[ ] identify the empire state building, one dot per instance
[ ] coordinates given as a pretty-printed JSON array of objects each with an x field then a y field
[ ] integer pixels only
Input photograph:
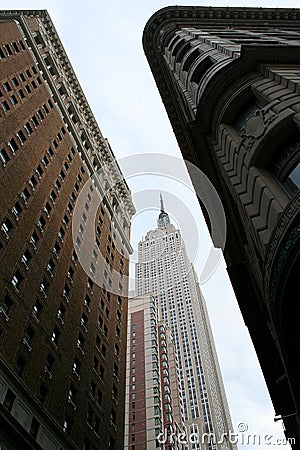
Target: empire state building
[{"x": 164, "y": 271}]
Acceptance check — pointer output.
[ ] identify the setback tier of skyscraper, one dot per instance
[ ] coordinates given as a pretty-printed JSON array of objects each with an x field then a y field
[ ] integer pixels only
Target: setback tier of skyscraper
[{"x": 62, "y": 336}]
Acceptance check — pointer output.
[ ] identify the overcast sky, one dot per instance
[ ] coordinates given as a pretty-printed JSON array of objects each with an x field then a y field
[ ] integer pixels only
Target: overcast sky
[{"x": 103, "y": 40}]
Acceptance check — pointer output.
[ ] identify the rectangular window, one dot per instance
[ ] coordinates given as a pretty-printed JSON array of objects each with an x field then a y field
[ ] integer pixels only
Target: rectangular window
[
  {"x": 5, "y": 106},
  {"x": 9, "y": 400},
  {"x": 4, "y": 157},
  {"x": 15, "y": 81},
  {"x": 21, "y": 94},
  {"x": 17, "y": 280},
  {"x": 7, "y": 86},
  {"x": 6, "y": 305},
  {"x": 13, "y": 100},
  {"x": 21, "y": 137}
]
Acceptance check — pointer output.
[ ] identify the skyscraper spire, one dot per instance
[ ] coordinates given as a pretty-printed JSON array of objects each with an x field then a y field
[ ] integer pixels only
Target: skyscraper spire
[
  {"x": 163, "y": 218},
  {"x": 161, "y": 203}
]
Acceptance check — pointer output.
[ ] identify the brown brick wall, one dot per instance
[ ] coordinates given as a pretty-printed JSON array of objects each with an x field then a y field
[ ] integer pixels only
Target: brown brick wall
[{"x": 49, "y": 131}]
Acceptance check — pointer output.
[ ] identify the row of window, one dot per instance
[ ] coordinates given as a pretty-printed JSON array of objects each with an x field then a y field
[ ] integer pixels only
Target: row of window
[
  {"x": 18, "y": 88},
  {"x": 11, "y": 48},
  {"x": 25, "y": 132}
]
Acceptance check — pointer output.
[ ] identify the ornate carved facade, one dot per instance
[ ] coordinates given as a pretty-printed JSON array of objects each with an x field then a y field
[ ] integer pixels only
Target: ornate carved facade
[{"x": 230, "y": 80}]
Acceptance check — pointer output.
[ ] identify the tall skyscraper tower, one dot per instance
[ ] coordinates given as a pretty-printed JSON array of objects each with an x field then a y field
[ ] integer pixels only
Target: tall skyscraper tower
[
  {"x": 164, "y": 270},
  {"x": 62, "y": 336}
]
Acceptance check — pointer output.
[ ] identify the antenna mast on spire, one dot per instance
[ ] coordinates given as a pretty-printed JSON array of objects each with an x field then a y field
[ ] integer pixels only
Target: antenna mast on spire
[
  {"x": 161, "y": 204},
  {"x": 163, "y": 218}
]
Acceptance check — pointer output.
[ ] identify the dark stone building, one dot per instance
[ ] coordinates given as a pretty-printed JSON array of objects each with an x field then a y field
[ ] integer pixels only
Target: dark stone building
[
  {"x": 62, "y": 332},
  {"x": 230, "y": 82}
]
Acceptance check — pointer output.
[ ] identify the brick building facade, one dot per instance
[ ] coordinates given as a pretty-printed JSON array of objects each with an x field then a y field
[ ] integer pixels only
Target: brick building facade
[{"x": 62, "y": 333}]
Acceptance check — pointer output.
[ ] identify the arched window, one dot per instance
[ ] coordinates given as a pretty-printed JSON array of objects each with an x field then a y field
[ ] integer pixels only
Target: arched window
[
  {"x": 190, "y": 59},
  {"x": 289, "y": 174},
  {"x": 201, "y": 68},
  {"x": 287, "y": 166}
]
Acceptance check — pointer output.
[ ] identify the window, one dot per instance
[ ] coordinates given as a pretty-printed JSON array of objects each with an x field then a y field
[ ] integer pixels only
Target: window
[
  {"x": 17, "y": 209},
  {"x": 80, "y": 341},
  {"x": 56, "y": 249},
  {"x": 55, "y": 336},
  {"x": 25, "y": 194},
  {"x": 28, "y": 128},
  {"x": 34, "y": 428},
  {"x": 76, "y": 366},
  {"x": 53, "y": 196},
  {"x": 67, "y": 425},
  {"x": 7, "y": 86},
  {"x": 43, "y": 392},
  {"x": 51, "y": 266},
  {"x": 47, "y": 209},
  {"x": 92, "y": 269},
  {"x": 90, "y": 285},
  {"x": 13, "y": 100},
  {"x": 65, "y": 220},
  {"x": 6, "y": 305},
  {"x": 5, "y": 106},
  {"x": 21, "y": 43},
  {"x": 44, "y": 286},
  {"x": 99, "y": 397},
  {"x": 61, "y": 313},
  {"x": 13, "y": 145},
  {"x": 66, "y": 291},
  {"x": 289, "y": 173},
  {"x": 87, "y": 302},
  {"x": 39, "y": 171},
  {"x": 9, "y": 400},
  {"x": 32, "y": 182},
  {"x": 20, "y": 365},
  {"x": 72, "y": 394},
  {"x": 58, "y": 185},
  {"x": 113, "y": 416},
  {"x": 7, "y": 227},
  {"x": 26, "y": 258},
  {"x": 45, "y": 161},
  {"x": 21, "y": 137},
  {"x": 41, "y": 223},
  {"x": 28, "y": 336},
  {"x": 17, "y": 280},
  {"x": 34, "y": 239},
  {"x": 37, "y": 308},
  {"x": 35, "y": 123},
  {"x": 84, "y": 321},
  {"x": 4, "y": 157},
  {"x": 21, "y": 94}
]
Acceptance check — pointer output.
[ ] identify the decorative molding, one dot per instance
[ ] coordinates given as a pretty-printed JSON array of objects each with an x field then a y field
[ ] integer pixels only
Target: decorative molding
[{"x": 256, "y": 127}]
